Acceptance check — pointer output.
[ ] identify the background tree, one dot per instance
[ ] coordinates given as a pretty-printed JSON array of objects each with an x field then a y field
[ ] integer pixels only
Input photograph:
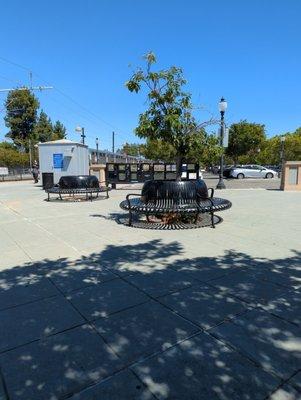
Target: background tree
[
  {"x": 11, "y": 157},
  {"x": 169, "y": 117},
  {"x": 58, "y": 131},
  {"x": 133, "y": 149},
  {"x": 245, "y": 139},
  {"x": 7, "y": 146},
  {"x": 270, "y": 153},
  {"x": 43, "y": 129},
  {"x": 21, "y": 115},
  {"x": 159, "y": 150}
]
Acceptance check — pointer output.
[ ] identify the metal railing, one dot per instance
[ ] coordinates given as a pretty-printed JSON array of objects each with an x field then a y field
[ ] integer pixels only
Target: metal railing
[{"x": 16, "y": 174}]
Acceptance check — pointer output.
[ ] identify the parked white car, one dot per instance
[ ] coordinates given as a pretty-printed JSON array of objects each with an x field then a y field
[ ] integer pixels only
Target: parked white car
[{"x": 252, "y": 171}]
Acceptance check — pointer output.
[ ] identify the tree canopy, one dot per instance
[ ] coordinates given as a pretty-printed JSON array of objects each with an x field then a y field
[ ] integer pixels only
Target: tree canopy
[
  {"x": 43, "y": 128},
  {"x": 169, "y": 118},
  {"x": 24, "y": 123},
  {"x": 21, "y": 114},
  {"x": 245, "y": 138},
  {"x": 58, "y": 131}
]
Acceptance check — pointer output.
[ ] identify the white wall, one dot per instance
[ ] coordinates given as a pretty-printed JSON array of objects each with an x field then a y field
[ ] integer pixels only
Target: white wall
[{"x": 75, "y": 159}]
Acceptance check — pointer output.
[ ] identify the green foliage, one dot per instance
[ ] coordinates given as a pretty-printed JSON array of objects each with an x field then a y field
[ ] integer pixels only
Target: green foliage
[
  {"x": 21, "y": 113},
  {"x": 12, "y": 158},
  {"x": 245, "y": 139},
  {"x": 133, "y": 149},
  {"x": 7, "y": 146},
  {"x": 43, "y": 129},
  {"x": 59, "y": 131},
  {"x": 159, "y": 150},
  {"x": 21, "y": 118},
  {"x": 258, "y": 149},
  {"x": 270, "y": 153},
  {"x": 168, "y": 120}
]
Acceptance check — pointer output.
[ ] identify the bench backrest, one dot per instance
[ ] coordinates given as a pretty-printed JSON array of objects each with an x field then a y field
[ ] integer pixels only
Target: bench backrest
[
  {"x": 78, "y": 182},
  {"x": 172, "y": 191}
]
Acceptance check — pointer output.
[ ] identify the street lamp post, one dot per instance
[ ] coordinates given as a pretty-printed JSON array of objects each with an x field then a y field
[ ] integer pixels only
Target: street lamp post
[
  {"x": 282, "y": 140},
  {"x": 222, "y": 106},
  {"x": 97, "y": 143},
  {"x": 81, "y": 130},
  {"x": 282, "y": 156}
]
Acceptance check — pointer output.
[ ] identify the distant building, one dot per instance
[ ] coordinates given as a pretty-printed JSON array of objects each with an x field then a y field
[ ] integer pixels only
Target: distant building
[{"x": 105, "y": 156}]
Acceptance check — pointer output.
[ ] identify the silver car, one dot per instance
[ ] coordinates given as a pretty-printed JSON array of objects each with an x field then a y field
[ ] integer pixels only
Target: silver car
[{"x": 252, "y": 171}]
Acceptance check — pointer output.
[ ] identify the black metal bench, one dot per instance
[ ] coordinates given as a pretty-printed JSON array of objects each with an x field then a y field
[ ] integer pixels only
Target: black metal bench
[
  {"x": 179, "y": 198},
  {"x": 87, "y": 185}
]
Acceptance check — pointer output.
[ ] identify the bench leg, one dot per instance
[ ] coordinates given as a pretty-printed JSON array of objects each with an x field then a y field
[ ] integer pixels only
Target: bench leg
[
  {"x": 48, "y": 197},
  {"x": 130, "y": 217},
  {"x": 196, "y": 217},
  {"x": 212, "y": 219}
]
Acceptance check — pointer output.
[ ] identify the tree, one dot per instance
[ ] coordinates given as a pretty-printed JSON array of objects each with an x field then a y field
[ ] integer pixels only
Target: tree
[
  {"x": 7, "y": 146},
  {"x": 59, "y": 131},
  {"x": 159, "y": 150},
  {"x": 169, "y": 117},
  {"x": 245, "y": 137},
  {"x": 10, "y": 157},
  {"x": 43, "y": 129},
  {"x": 270, "y": 152},
  {"x": 132, "y": 149},
  {"x": 21, "y": 114}
]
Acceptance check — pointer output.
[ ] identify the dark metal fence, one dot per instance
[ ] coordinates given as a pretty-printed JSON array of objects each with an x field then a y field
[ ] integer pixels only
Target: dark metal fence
[
  {"x": 141, "y": 172},
  {"x": 16, "y": 174}
]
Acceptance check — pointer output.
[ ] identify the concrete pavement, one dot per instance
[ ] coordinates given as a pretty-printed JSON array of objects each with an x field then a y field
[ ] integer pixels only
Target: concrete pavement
[{"x": 93, "y": 309}]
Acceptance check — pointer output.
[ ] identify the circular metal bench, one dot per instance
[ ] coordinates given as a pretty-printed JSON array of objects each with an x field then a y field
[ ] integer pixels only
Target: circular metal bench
[
  {"x": 87, "y": 185},
  {"x": 177, "y": 198}
]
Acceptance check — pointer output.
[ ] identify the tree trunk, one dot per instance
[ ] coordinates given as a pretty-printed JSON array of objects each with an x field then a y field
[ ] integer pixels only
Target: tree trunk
[{"x": 179, "y": 161}]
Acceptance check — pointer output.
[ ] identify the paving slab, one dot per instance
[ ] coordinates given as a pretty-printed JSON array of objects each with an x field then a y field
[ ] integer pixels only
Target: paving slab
[
  {"x": 204, "y": 305},
  {"x": 124, "y": 382},
  {"x": 270, "y": 341},
  {"x": 161, "y": 282},
  {"x": 285, "y": 274},
  {"x": 244, "y": 286},
  {"x": 23, "y": 290},
  {"x": 57, "y": 366},
  {"x": 12, "y": 257},
  {"x": 203, "y": 368},
  {"x": 287, "y": 306},
  {"x": 75, "y": 276},
  {"x": 104, "y": 299},
  {"x": 23, "y": 324},
  {"x": 286, "y": 392},
  {"x": 52, "y": 252},
  {"x": 204, "y": 268},
  {"x": 143, "y": 330}
]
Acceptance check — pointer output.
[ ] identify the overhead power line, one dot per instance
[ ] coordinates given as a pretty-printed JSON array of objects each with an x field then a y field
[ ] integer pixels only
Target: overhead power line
[{"x": 118, "y": 133}]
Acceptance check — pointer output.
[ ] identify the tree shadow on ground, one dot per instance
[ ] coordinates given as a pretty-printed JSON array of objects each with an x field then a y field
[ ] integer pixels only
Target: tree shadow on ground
[{"x": 145, "y": 320}]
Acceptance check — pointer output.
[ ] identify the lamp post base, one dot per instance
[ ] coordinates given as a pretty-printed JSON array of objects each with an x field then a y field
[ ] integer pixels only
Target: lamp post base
[{"x": 221, "y": 184}]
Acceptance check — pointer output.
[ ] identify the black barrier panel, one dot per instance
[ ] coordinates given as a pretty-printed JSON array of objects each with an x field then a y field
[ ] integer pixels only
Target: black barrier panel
[
  {"x": 121, "y": 173},
  {"x": 134, "y": 172},
  {"x": 145, "y": 172},
  {"x": 111, "y": 172}
]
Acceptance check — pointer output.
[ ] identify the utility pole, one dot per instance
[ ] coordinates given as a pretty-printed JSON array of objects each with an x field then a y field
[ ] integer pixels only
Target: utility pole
[
  {"x": 30, "y": 87},
  {"x": 30, "y": 156},
  {"x": 113, "y": 142},
  {"x": 81, "y": 130}
]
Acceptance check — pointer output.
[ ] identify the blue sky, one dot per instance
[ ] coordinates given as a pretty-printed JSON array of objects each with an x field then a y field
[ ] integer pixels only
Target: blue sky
[{"x": 247, "y": 51}]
